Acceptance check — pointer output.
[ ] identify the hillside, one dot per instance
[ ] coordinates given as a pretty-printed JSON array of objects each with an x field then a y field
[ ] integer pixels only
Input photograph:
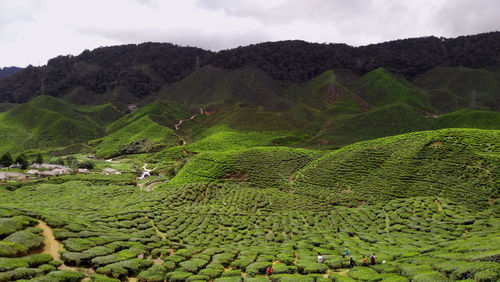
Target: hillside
[
  {"x": 456, "y": 88},
  {"x": 140, "y": 136},
  {"x": 458, "y": 164},
  {"x": 380, "y": 88},
  {"x": 416, "y": 200},
  {"x": 204, "y": 166},
  {"x": 46, "y": 122},
  {"x": 137, "y": 71},
  {"x": 214, "y": 86}
]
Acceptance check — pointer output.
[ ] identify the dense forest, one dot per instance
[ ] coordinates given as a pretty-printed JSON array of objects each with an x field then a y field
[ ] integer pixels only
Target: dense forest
[
  {"x": 146, "y": 68},
  {"x": 8, "y": 71}
]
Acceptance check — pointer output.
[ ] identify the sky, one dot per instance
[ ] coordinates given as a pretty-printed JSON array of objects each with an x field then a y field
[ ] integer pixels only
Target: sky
[{"x": 33, "y": 31}]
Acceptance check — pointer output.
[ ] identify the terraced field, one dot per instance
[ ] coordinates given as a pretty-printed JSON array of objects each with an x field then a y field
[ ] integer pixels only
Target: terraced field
[{"x": 425, "y": 203}]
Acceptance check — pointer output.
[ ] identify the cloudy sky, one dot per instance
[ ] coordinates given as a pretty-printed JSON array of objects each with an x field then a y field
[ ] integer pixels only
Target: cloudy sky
[{"x": 32, "y": 31}]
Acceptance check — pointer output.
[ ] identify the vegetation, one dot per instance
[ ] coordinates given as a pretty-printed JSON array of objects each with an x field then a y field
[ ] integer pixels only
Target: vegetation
[{"x": 218, "y": 174}]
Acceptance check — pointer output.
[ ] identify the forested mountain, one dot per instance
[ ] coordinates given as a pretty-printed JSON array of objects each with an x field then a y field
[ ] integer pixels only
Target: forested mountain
[
  {"x": 134, "y": 71},
  {"x": 5, "y": 71}
]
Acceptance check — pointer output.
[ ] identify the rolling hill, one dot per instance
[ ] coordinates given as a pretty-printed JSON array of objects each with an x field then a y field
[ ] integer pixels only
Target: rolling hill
[
  {"x": 267, "y": 155},
  {"x": 47, "y": 122}
]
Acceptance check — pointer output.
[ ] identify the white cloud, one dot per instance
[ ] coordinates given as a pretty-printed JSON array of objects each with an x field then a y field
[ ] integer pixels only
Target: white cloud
[{"x": 32, "y": 31}]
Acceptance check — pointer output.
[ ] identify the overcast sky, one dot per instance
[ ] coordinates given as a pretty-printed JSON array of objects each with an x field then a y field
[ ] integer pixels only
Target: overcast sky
[{"x": 32, "y": 31}]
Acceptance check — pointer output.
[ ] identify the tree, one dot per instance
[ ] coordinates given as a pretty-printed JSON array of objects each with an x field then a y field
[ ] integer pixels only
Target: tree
[
  {"x": 22, "y": 160},
  {"x": 6, "y": 159},
  {"x": 86, "y": 164},
  {"x": 39, "y": 159}
]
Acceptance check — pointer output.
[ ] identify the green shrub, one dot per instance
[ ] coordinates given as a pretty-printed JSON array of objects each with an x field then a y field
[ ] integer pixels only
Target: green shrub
[
  {"x": 178, "y": 276},
  {"x": 340, "y": 278},
  {"x": 392, "y": 277},
  {"x": 311, "y": 267},
  {"x": 102, "y": 278},
  {"x": 61, "y": 276},
  {"x": 193, "y": 265},
  {"x": 25, "y": 238},
  {"x": 364, "y": 273},
  {"x": 281, "y": 268},
  {"x": 229, "y": 279},
  {"x": 211, "y": 272},
  {"x": 291, "y": 278},
  {"x": 487, "y": 275},
  {"x": 258, "y": 267},
  {"x": 156, "y": 273},
  {"x": 231, "y": 273}
]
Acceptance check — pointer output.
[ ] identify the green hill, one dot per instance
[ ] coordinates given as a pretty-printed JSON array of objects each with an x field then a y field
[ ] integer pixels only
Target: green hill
[
  {"x": 140, "y": 136},
  {"x": 380, "y": 87},
  {"x": 452, "y": 89},
  {"x": 459, "y": 164},
  {"x": 467, "y": 118},
  {"x": 168, "y": 114},
  {"x": 215, "y": 86},
  {"x": 379, "y": 122},
  {"x": 46, "y": 122}
]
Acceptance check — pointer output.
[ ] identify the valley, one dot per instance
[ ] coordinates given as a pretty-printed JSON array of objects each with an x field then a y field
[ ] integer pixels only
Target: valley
[{"x": 218, "y": 173}]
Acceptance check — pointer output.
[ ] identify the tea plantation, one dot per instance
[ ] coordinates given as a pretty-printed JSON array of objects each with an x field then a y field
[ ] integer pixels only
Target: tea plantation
[{"x": 228, "y": 206}]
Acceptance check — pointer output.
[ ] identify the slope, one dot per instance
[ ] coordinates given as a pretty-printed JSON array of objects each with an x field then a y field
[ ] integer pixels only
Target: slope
[
  {"x": 459, "y": 164},
  {"x": 376, "y": 123},
  {"x": 380, "y": 87},
  {"x": 467, "y": 118},
  {"x": 140, "y": 136},
  {"x": 45, "y": 122},
  {"x": 215, "y": 86},
  {"x": 165, "y": 113},
  {"x": 453, "y": 88}
]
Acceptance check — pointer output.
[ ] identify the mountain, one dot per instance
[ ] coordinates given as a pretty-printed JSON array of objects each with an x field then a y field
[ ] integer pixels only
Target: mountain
[
  {"x": 452, "y": 89},
  {"x": 137, "y": 71},
  {"x": 6, "y": 71}
]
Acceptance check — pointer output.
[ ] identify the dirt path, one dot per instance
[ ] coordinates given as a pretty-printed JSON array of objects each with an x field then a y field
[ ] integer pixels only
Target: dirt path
[
  {"x": 183, "y": 120},
  {"x": 50, "y": 245}
]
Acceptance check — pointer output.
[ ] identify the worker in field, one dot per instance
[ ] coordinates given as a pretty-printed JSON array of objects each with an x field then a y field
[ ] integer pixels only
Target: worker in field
[
  {"x": 372, "y": 259},
  {"x": 352, "y": 263},
  {"x": 364, "y": 261},
  {"x": 321, "y": 259},
  {"x": 346, "y": 250},
  {"x": 269, "y": 270}
]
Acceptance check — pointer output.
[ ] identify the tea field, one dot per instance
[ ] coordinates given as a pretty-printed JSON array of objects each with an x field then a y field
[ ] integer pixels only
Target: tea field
[{"x": 425, "y": 203}]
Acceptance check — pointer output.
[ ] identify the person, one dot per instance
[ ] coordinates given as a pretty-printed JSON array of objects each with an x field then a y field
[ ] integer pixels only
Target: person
[
  {"x": 321, "y": 259},
  {"x": 346, "y": 251},
  {"x": 351, "y": 262},
  {"x": 269, "y": 270},
  {"x": 372, "y": 258},
  {"x": 364, "y": 261}
]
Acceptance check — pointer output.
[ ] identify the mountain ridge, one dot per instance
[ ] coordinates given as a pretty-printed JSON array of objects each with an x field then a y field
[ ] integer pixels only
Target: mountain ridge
[{"x": 145, "y": 68}]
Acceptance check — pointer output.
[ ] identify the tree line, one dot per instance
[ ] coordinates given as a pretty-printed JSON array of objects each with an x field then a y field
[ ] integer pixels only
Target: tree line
[{"x": 146, "y": 68}]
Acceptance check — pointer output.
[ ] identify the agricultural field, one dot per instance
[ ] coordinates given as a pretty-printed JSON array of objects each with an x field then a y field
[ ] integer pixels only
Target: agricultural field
[{"x": 228, "y": 206}]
